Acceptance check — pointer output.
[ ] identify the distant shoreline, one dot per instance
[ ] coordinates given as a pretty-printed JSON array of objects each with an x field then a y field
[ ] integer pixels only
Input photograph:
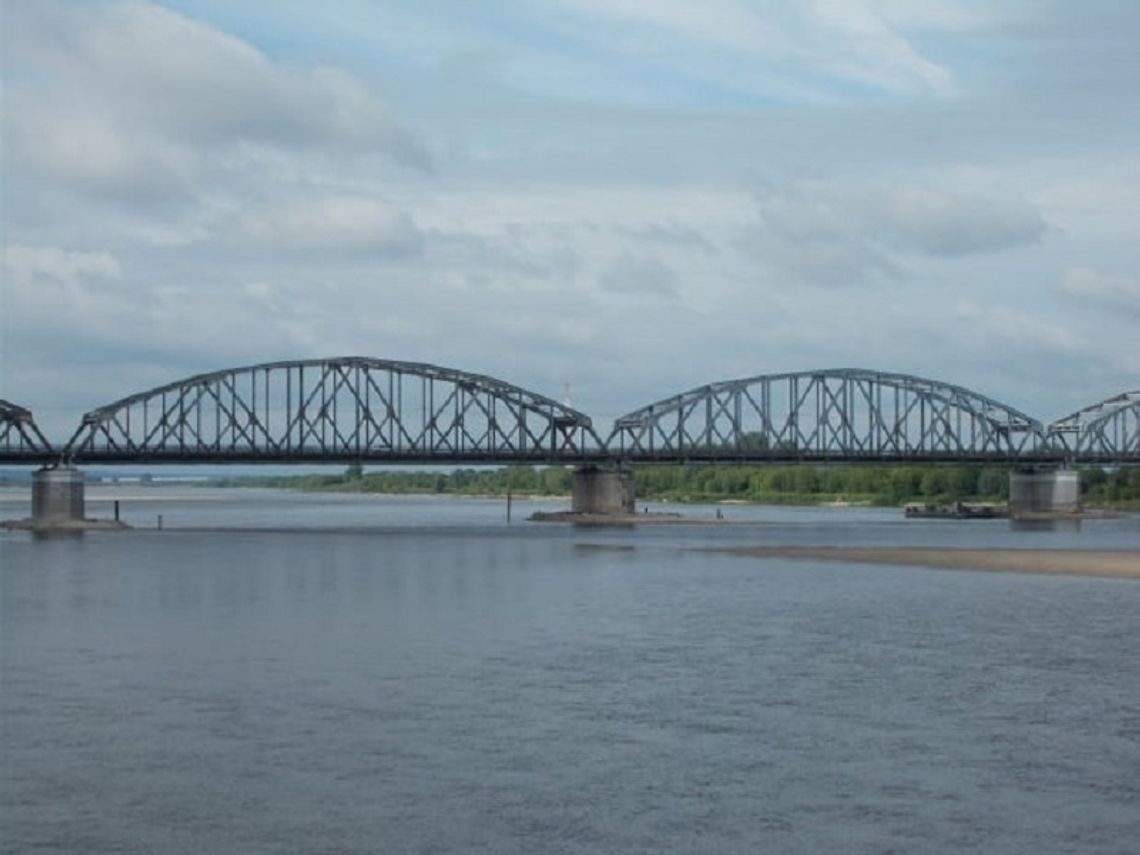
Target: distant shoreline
[
  {"x": 1114, "y": 563},
  {"x": 163, "y": 492}
]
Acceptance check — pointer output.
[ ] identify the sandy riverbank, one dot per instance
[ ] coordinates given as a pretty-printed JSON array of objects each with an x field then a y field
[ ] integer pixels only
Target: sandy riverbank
[{"x": 1070, "y": 562}]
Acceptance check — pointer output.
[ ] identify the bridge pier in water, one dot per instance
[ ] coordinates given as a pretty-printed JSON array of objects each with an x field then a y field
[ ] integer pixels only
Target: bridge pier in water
[
  {"x": 602, "y": 491},
  {"x": 57, "y": 496},
  {"x": 1044, "y": 492}
]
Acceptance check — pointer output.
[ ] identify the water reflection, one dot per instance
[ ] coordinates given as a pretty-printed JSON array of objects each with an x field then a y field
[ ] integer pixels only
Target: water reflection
[{"x": 1061, "y": 524}]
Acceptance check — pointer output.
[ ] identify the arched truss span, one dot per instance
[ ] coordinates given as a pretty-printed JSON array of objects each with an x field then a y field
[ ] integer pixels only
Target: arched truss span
[
  {"x": 20, "y": 438},
  {"x": 1108, "y": 431},
  {"x": 344, "y": 409},
  {"x": 838, "y": 414}
]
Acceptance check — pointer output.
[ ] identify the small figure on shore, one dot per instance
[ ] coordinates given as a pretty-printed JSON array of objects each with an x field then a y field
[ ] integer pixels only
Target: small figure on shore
[{"x": 719, "y": 514}]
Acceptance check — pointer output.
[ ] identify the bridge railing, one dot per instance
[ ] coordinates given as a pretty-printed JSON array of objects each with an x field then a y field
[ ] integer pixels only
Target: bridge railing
[{"x": 336, "y": 410}]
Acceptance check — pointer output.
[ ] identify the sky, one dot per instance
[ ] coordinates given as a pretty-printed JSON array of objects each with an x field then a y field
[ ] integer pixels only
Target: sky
[{"x": 605, "y": 201}]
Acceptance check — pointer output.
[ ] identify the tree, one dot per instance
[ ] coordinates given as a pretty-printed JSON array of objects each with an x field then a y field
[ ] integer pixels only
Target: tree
[
  {"x": 993, "y": 482},
  {"x": 935, "y": 482},
  {"x": 806, "y": 479}
]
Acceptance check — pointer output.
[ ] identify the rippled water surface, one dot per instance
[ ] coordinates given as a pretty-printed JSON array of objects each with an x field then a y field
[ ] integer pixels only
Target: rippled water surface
[{"x": 274, "y": 672}]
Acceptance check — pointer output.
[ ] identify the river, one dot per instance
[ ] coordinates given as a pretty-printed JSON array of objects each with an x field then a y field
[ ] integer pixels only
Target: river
[{"x": 276, "y": 672}]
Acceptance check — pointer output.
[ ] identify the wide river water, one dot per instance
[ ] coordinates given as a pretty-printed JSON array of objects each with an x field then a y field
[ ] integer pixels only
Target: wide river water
[{"x": 275, "y": 672}]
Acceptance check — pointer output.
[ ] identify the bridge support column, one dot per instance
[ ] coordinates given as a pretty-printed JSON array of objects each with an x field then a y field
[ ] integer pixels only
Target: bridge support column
[
  {"x": 1050, "y": 492},
  {"x": 57, "y": 496},
  {"x": 600, "y": 491}
]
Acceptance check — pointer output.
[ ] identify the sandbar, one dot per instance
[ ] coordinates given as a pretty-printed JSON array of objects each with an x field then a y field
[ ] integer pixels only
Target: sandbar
[{"x": 1117, "y": 563}]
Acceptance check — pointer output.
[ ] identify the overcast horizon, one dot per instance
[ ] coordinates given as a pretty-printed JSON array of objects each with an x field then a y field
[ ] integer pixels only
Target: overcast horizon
[{"x": 609, "y": 199}]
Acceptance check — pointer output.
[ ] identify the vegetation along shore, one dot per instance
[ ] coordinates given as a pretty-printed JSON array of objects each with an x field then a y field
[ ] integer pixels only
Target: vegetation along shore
[{"x": 888, "y": 486}]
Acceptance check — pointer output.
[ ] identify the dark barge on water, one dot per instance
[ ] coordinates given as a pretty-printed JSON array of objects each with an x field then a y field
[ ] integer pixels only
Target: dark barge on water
[{"x": 957, "y": 511}]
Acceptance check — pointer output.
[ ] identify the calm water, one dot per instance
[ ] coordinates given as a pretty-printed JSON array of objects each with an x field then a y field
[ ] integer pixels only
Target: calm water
[{"x": 284, "y": 673}]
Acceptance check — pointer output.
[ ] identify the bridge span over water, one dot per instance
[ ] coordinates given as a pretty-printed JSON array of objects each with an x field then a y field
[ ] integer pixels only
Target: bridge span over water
[
  {"x": 359, "y": 409},
  {"x": 363, "y": 410}
]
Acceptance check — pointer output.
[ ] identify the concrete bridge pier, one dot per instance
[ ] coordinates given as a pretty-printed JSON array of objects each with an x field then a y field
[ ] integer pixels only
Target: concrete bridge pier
[
  {"x": 57, "y": 497},
  {"x": 602, "y": 491},
  {"x": 1044, "y": 493}
]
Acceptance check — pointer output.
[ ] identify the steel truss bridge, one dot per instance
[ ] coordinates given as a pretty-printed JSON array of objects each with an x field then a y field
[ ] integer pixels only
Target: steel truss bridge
[
  {"x": 20, "y": 439},
  {"x": 363, "y": 410},
  {"x": 854, "y": 415}
]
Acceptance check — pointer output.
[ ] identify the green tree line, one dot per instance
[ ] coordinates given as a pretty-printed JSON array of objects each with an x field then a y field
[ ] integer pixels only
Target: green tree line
[
  {"x": 519, "y": 480},
  {"x": 798, "y": 484}
]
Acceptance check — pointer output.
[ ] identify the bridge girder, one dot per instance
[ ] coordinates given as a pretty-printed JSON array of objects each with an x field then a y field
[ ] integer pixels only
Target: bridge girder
[
  {"x": 1107, "y": 431},
  {"x": 20, "y": 438},
  {"x": 845, "y": 414},
  {"x": 341, "y": 409}
]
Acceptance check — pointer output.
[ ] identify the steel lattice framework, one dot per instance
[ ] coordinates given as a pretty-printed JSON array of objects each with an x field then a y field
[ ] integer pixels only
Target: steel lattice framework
[
  {"x": 830, "y": 415},
  {"x": 348, "y": 409},
  {"x": 358, "y": 409},
  {"x": 1105, "y": 432},
  {"x": 20, "y": 438}
]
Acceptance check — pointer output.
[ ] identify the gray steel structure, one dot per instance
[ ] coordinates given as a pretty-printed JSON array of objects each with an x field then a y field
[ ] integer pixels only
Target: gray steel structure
[
  {"x": 845, "y": 414},
  {"x": 20, "y": 438},
  {"x": 1105, "y": 432},
  {"x": 358, "y": 409},
  {"x": 347, "y": 409}
]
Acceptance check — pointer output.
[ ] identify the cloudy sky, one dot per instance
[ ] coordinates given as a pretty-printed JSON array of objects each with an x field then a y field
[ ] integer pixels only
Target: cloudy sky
[{"x": 625, "y": 197}]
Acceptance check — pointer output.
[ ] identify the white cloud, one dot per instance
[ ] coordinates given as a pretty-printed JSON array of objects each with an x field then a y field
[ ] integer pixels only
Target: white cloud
[
  {"x": 843, "y": 233},
  {"x": 259, "y": 290},
  {"x": 868, "y": 49},
  {"x": 129, "y": 99},
  {"x": 1109, "y": 292},
  {"x": 631, "y": 197},
  {"x": 336, "y": 222},
  {"x": 938, "y": 222},
  {"x": 849, "y": 40},
  {"x": 1014, "y": 331},
  {"x": 82, "y": 147},
  {"x": 646, "y": 275},
  {"x": 943, "y": 15},
  {"x": 727, "y": 23},
  {"x": 29, "y": 265}
]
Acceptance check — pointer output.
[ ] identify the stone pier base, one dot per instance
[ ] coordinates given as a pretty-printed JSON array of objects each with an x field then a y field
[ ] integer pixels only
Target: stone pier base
[
  {"x": 58, "y": 506},
  {"x": 599, "y": 491},
  {"x": 57, "y": 495},
  {"x": 1044, "y": 493}
]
